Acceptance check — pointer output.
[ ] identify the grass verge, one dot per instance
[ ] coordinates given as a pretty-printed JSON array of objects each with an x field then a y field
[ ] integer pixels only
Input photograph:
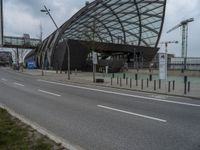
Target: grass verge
[{"x": 15, "y": 135}]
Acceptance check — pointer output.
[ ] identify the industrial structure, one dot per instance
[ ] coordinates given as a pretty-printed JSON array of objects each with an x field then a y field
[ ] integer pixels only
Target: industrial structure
[
  {"x": 119, "y": 31},
  {"x": 184, "y": 25}
]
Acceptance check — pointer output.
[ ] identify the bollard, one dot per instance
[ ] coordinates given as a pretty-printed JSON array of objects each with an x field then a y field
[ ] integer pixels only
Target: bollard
[
  {"x": 154, "y": 85},
  {"x": 136, "y": 76},
  {"x": 169, "y": 87},
  {"x": 189, "y": 86},
  {"x": 150, "y": 77},
  {"x": 136, "y": 79},
  {"x": 159, "y": 84},
  {"x": 147, "y": 82},
  {"x": 142, "y": 86},
  {"x": 185, "y": 84},
  {"x": 120, "y": 82},
  {"x": 173, "y": 85},
  {"x": 111, "y": 81},
  {"x": 113, "y": 75},
  {"x": 130, "y": 83},
  {"x": 185, "y": 88},
  {"x": 124, "y": 76}
]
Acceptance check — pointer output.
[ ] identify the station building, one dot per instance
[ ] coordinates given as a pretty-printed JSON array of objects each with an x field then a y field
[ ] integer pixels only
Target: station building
[{"x": 120, "y": 31}]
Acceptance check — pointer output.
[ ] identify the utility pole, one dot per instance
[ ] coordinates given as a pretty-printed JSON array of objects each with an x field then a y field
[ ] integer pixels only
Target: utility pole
[
  {"x": 47, "y": 11},
  {"x": 1, "y": 23},
  {"x": 17, "y": 59},
  {"x": 41, "y": 32}
]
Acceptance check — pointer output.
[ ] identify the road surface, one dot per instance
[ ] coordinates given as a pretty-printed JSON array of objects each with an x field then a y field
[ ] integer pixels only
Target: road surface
[{"x": 97, "y": 118}]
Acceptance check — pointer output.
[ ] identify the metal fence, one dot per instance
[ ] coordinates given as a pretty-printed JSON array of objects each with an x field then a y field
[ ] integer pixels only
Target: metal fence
[{"x": 177, "y": 63}]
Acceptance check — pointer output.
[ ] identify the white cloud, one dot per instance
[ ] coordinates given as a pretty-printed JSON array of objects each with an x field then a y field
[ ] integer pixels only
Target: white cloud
[{"x": 19, "y": 22}]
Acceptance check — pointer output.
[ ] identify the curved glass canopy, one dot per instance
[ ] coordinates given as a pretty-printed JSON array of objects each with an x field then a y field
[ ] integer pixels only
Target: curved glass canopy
[
  {"x": 126, "y": 22},
  {"x": 131, "y": 22}
]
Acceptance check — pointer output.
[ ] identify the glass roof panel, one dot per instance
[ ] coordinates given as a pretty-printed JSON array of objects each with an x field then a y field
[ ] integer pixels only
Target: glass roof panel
[{"x": 134, "y": 22}]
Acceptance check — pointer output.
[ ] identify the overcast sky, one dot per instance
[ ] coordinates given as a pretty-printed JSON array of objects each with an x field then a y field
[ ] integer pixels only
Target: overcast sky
[{"x": 24, "y": 16}]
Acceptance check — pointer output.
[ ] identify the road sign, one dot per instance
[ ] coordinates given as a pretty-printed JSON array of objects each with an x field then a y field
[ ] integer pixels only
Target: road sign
[{"x": 94, "y": 58}]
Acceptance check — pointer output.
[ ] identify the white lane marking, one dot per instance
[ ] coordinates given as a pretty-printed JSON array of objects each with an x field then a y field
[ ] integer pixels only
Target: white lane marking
[
  {"x": 122, "y": 94},
  {"x": 19, "y": 84},
  {"x": 134, "y": 114},
  {"x": 3, "y": 79},
  {"x": 50, "y": 93}
]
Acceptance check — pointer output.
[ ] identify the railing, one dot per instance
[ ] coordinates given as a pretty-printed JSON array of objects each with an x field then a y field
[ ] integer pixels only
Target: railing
[
  {"x": 191, "y": 65},
  {"x": 20, "y": 42}
]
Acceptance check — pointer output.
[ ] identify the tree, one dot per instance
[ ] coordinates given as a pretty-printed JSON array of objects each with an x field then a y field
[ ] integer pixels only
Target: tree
[
  {"x": 91, "y": 36},
  {"x": 20, "y": 54}
]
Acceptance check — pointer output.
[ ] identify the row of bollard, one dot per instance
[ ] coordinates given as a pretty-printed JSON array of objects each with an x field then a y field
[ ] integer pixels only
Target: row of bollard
[{"x": 170, "y": 84}]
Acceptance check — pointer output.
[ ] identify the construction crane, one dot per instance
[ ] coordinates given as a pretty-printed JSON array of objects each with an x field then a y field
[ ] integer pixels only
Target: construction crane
[
  {"x": 184, "y": 25},
  {"x": 166, "y": 44}
]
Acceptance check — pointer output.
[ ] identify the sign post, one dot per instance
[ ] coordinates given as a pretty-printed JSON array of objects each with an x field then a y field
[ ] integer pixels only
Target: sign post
[
  {"x": 1, "y": 22},
  {"x": 163, "y": 66},
  {"x": 95, "y": 62}
]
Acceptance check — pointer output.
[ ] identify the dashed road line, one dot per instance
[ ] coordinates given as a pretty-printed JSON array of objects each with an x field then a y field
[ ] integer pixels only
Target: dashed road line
[
  {"x": 19, "y": 84},
  {"x": 49, "y": 93}
]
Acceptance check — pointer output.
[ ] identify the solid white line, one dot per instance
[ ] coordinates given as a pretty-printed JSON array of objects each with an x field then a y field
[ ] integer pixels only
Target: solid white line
[
  {"x": 122, "y": 94},
  {"x": 131, "y": 113},
  {"x": 3, "y": 79},
  {"x": 50, "y": 93},
  {"x": 19, "y": 84}
]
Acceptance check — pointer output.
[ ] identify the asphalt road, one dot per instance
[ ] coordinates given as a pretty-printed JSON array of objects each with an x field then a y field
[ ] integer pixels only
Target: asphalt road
[{"x": 98, "y": 118}]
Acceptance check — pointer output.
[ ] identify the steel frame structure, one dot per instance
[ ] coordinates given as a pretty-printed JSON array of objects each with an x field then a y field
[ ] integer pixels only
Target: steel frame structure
[{"x": 135, "y": 22}]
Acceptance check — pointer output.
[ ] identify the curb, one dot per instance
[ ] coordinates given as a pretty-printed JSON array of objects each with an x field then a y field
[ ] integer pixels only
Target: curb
[
  {"x": 42, "y": 130},
  {"x": 136, "y": 90}
]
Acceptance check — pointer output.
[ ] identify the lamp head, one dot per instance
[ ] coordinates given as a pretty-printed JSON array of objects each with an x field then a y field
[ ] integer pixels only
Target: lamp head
[{"x": 42, "y": 10}]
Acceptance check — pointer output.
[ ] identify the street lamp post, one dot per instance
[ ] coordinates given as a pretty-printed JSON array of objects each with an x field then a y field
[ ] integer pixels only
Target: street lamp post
[{"x": 47, "y": 11}]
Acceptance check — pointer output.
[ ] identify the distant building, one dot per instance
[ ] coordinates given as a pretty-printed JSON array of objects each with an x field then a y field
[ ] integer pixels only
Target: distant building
[{"x": 5, "y": 58}]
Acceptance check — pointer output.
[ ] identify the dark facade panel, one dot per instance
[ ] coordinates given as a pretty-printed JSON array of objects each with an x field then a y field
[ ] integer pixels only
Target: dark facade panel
[{"x": 80, "y": 52}]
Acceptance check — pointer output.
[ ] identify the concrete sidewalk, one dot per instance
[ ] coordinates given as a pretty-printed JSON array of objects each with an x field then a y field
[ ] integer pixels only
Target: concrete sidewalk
[{"x": 129, "y": 83}]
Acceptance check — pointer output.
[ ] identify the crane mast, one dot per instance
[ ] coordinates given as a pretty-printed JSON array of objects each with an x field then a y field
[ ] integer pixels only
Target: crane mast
[{"x": 184, "y": 25}]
